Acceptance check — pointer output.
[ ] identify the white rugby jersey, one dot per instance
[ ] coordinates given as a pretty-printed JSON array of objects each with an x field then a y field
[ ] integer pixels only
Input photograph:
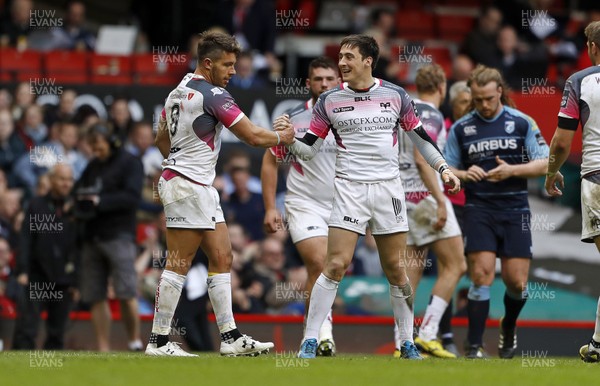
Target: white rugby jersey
[
  {"x": 433, "y": 123},
  {"x": 312, "y": 178},
  {"x": 580, "y": 102},
  {"x": 365, "y": 125},
  {"x": 196, "y": 112}
]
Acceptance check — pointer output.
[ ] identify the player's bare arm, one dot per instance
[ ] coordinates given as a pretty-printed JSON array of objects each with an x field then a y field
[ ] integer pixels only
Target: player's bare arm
[
  {"x": 430, "y": 180},
  {"x": 559, "y": 151},
  {"x": 433, "y": 157},
  {"x": 256, "y": 136},
  {"x": 162, "y": 140},
  {"x": 268, "y": 178}
]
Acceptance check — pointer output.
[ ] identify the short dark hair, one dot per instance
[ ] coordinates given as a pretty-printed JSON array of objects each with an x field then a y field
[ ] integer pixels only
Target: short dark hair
[
  {"x": 213, "y": 43},
  {"x": 321, "y": 62},
  {"x": 367, "y": 46}
]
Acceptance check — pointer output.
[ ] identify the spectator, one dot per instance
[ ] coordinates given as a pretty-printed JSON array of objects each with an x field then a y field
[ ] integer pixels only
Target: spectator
[
  {"x": 241, "y": 247},
  {"x": 252, "y": 22},
  {"x": 480, "y": 43},
  {"x": 382, "y": 30},
  {"x": 74, "y": 35},
  {"x": 5, "y": 99},
  {"x": 7, "y": 283},
  {"x": 140, "y": 143},
  {"x": 23, "y": 99},
  {"x": 238, "y": 159},
  {"x": 120, "y": 120},
  {"x": 10, "y": 206},
  {"x": 512, "y": 63},
  {"x": 11, "y": 146},
  {"x": 46, "y": 264},
  {"x": 14, "y": 32},
  {"x": 106, "y": 200},
  {"x": 460, "y": 100},
  {"x": 462, "y": 66},
  {"x": 65, "y": 111},
  {"x": 245, "y": 207},
  {"x": 33, "y": 131},
  {"x": 42, "y": 158},
  {"x": 246, "y": 77}
]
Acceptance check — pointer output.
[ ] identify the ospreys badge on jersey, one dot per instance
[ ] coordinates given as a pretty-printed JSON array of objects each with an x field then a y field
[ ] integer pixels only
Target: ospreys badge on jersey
[{"x": 509, "y": 127}]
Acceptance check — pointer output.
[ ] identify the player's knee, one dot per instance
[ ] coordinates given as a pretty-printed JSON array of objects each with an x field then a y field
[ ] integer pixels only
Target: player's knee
[
  {"x": 335, "y": 269},
  {"x": 481, "y": 276}
]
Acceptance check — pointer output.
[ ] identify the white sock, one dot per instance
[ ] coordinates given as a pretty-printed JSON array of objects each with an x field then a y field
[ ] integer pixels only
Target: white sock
[
  {"x": 321, "y": 299},
  {"x": 434, "y": 312},
  {"x": 168, "y": 292},
  {"x": 326, "y": 331},
  {"x": 402, "y": 305},
  {"x": 219, "y": 292},
  {"x": 397, "y": 336},
  {"x": 596, "y": 336}
]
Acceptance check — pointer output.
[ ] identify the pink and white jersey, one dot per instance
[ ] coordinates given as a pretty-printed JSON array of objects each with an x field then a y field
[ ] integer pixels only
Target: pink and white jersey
[
  {"x": 365, "y": 124},
  {"x": 580, "y": 102},
  {"x": 312, "y": 178},
  {"x": 196, "y": 112},
  {"x": 433, "y": 123}
]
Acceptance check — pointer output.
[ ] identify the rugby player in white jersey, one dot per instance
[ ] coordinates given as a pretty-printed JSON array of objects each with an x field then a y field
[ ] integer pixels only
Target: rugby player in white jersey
[
  {"x": 189, "y": 137},
  {"x": 365, "y": 115},
  {"x": 309, "y": 190},
  {"x": 430, "y": 215},
  {"x": 581, "y": 103}
]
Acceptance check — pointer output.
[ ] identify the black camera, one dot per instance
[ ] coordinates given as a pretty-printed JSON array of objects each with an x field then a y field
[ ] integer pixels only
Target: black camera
[{"x": 84, "y": 207}]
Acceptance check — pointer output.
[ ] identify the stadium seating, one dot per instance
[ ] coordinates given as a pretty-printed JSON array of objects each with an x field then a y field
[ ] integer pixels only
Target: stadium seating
[
  {"x": 161, "y": 70},
  {"x": 415, "y": 24},
  {"x": 19, "y": 65},
  {"x": 454, "y": 27},
  {"x": 67, "y": 67},
  {"x": 111, "y": 69}
]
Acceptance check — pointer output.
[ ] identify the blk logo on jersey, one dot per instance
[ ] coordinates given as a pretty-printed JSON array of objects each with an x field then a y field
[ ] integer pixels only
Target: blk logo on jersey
[
  {"x": 362, "y": 98},
  {"x": 509, "y": 127}
]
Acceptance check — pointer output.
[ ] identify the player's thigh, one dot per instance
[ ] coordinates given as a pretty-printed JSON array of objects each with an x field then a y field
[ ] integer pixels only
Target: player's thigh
[
  {"x": 350, "y": 208},
  {"x": 515, "y": 230},
  {"x": 217, "y": 246},
  {"x": 481, "y": 267},
  {"x": 388, "y": 208},
  {"x": 391, "y": 248},
  {"x": 450, "y": 254},
  {"x": 188, "y": 205},
  {"x": 313, "y": 252},
  {"x": 590, "y": 212},
  {"x": 340, "y": 249},
  {"x": 480, "y": 232},
  {"x": 515, "y": 273},
  {"x": 306, "y": 220}
]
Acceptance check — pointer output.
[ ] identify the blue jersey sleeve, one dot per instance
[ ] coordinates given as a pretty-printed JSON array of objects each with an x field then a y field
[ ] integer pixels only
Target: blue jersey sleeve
[
  {"x": 534, "y": 141},
  {"x": 452, "y": 150}
]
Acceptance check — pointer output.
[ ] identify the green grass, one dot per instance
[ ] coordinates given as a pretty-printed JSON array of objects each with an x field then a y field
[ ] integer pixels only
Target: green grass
[{"x": 85, "y": 368}]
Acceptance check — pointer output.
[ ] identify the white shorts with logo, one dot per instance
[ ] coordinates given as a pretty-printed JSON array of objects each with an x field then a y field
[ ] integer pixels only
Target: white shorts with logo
[
  {"x": 305, "y": 219},
  {"x": 379, "y": 205},
  {"x": 421, "y": 218},
  {"x": 189, "y": 205},
  {"x": 590, "y": 210}
]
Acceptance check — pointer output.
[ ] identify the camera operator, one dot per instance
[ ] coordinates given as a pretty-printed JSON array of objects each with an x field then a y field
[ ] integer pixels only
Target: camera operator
[{"x": 106, "y": 199}]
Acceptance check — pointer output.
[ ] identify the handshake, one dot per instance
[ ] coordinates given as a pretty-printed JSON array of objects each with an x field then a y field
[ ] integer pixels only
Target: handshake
[{"x": 284, "y": 129}]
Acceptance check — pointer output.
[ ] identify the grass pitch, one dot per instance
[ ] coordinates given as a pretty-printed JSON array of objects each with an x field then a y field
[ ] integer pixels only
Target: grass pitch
[{"x": 283, "y": 369}]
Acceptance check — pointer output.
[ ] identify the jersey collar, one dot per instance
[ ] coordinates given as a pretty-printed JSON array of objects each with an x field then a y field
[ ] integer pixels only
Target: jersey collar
[{"x": 377, "y": 82}]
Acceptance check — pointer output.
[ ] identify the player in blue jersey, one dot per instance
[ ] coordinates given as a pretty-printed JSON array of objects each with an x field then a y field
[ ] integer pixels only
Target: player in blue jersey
[
  {"x": 580, "y": 104},
  {"x": 494, "y": 149}
]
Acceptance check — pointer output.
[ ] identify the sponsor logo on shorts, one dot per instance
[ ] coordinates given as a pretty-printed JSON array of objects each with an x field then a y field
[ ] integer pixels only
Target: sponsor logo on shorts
[
  {"x": 312, "y": 228},
  {"x": 214, "y": 219},
  {"x": 397, "y": 204},
  {"x": 176, "y": 219},
  {"x": 351, "y": 220},
  {"x": 595, "y": 223}
]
